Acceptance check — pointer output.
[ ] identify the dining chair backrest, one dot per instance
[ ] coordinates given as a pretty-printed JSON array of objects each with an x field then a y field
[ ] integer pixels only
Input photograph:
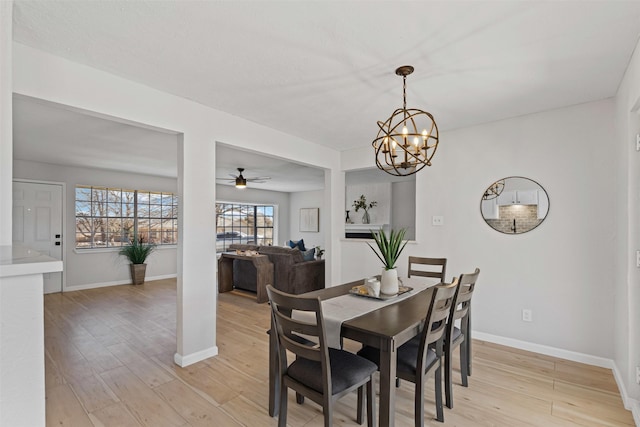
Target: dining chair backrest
[
  {"x": 437, "y": 267},
  {"x": 463, "y": 300},
  {"x": 300, "y": 336},
  {"x": 434, "y": 328}
]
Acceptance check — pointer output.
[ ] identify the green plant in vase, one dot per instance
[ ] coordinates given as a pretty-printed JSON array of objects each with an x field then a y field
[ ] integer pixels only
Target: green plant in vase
[
  {"x": 361, "y": 203},
  {"x": 389, "y": 249}
]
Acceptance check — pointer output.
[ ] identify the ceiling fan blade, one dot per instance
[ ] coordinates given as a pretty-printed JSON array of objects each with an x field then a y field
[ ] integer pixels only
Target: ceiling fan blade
[{"x": 258, "y": 178}]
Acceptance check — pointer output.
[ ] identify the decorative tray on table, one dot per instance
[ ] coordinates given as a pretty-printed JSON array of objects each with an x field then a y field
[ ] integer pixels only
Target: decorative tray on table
[{"x": 365, "y": 291}]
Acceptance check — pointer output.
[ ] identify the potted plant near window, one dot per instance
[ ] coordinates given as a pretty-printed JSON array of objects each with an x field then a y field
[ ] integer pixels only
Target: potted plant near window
[
  {"x": 390, "y": 248},
  {"x": 137, "y": 253}
]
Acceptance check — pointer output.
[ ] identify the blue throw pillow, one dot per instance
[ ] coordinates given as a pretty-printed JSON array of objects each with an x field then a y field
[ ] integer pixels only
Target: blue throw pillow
[
  {"x": 309, "y": 255},
  {"x": 297, "y": 244}
]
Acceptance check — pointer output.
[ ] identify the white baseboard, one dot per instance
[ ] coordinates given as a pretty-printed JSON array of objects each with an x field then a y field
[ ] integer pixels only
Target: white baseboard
[
  {"x": 543, "y": 349},
  {"x": 190, "y": 359},
  {"x": 114, "y": 283},
  {"x": 629, "y": 403}
]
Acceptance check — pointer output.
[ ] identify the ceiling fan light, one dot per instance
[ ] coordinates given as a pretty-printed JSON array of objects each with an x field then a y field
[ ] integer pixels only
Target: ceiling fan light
[{"x": 241, "y": 182}]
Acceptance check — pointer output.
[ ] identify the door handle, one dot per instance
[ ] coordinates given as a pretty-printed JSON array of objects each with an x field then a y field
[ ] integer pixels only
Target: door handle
[{"x": 57, "y": 243}]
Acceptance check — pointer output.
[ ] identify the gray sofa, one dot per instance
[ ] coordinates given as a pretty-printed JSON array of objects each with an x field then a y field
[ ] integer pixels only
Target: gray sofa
[{"x": 291, "y": 273}]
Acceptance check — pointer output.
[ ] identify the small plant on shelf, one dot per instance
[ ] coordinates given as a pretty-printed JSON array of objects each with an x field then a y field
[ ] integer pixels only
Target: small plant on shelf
[{"x": 361, "y": 203}]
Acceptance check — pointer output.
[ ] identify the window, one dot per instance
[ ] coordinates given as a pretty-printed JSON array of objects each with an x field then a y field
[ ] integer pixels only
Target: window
[
  {"x": 236, "y": 223},
  {"x": 110, "y": 217}
]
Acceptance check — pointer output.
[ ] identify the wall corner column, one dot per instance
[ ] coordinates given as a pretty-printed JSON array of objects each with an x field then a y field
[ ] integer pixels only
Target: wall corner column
[
  {"x": 197, "y": 283},
  {"x": 6, "y": 121}
]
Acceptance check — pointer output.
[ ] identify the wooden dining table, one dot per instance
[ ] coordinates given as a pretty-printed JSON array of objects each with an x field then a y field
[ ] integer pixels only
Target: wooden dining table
[{"x": 386, "y": 328}]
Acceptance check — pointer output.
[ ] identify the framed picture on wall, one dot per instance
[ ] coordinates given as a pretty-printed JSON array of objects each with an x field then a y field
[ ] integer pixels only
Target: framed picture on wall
[{"x": 309, "y": 219}]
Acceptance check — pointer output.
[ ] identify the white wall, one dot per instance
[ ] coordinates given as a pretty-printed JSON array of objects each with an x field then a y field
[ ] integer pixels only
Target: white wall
[
  {"x": 306, "y": 199},
  {"x": 101, "y": 268},
  {"x": 403, "y": 207},
  {"x": 562, "y": 270},
  {"x": 6, "y": 117},
  {"x": 627, "y": 211}
]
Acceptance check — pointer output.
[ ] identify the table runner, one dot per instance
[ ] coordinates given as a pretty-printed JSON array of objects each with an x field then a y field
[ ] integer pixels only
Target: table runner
[{"x": 346, "y": 307}]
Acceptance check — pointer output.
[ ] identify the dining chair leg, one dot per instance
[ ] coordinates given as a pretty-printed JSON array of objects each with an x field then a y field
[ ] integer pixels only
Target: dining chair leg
[
  {"x": 438, "y": 379},
  {"x": 418, "y": 402},
  {"x": 282, "y": 415},
  {"x": 448, "y": 381},
  {"x": 371, "y": 404},
  {"x": 328, "y": 414},
  {"x": 360, "y": 405},
  {"x": 467, "y": 338},
  {"x": 464, "y": 362}
]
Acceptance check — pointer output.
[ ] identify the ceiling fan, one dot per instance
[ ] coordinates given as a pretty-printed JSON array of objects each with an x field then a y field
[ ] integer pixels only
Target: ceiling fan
[{"x": 241, "y": 181}]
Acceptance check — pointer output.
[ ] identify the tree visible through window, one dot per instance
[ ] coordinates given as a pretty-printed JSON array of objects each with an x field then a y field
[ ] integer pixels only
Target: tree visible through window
[
  {"x": 238, "y": 223},
  {"x": 110, "y": 217}
]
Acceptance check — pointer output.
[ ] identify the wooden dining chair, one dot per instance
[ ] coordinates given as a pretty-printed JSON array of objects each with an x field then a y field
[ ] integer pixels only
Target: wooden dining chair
[
  {"x": 428, "y": 267},
  {"x": 459, "y": 336},
  {"x": 420, "y": 357},
  {"x": 318, "y": 372}
]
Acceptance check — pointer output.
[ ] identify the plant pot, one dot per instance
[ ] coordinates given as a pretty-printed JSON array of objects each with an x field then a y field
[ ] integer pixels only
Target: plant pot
[
  {"x": 365, "y": 218},
  {"x": 389, "y": 281},
  {"x": 138, "y": 272}
]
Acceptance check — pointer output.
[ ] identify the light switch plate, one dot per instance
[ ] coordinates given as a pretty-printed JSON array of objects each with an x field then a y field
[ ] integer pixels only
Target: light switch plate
[
  {"x": 638, "y": 142},
  {"x": 437, "y": 220},
  {"x": 638, "y": 259}
]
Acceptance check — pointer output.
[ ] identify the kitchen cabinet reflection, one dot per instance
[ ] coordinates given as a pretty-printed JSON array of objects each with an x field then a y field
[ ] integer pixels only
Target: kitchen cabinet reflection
[{"x": 514, "y": 205}]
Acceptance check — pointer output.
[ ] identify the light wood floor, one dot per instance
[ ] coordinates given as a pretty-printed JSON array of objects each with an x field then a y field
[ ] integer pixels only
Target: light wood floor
[{"x": 109, "y": 362}]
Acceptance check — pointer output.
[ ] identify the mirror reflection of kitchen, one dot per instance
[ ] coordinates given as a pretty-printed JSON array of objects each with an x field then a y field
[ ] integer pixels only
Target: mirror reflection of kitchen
[{"x": 514, "y": 205}]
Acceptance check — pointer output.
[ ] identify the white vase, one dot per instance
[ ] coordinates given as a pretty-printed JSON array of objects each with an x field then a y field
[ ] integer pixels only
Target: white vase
[{"x": 389, "y": 281}]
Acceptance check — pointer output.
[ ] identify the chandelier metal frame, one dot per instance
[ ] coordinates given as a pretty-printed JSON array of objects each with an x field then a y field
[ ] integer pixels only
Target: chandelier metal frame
[
  {"x": 494, "y": 190},
  {"x": 401, "y": 149}
]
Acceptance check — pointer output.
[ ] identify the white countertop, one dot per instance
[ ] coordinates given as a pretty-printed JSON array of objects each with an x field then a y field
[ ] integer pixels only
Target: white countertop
[{"x": 18, "y": 260}]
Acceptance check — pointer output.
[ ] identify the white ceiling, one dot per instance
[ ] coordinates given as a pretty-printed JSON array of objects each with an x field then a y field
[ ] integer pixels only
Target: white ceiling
[
  {"x": 324, "y": 70},
  {"x": 51, "y": 133}
]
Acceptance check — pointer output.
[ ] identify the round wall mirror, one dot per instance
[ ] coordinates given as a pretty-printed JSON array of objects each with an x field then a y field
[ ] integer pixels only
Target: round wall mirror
[{"x": 514, "y": 205}]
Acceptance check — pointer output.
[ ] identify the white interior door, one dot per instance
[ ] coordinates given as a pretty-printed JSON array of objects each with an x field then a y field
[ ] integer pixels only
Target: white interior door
[{"x": 37, "y": 223}]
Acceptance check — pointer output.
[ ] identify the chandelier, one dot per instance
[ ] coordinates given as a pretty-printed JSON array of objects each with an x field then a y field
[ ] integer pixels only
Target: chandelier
[
  {"x": 408, "y": 139},
  {"x": 494, "y": 190}
]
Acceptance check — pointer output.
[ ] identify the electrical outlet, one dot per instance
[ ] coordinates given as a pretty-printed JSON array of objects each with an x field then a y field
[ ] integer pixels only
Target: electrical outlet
[
  {"x": 527, "y": 315},
  {"x": 437, "y": 220},
  {"x": 637, "y": 374}
]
